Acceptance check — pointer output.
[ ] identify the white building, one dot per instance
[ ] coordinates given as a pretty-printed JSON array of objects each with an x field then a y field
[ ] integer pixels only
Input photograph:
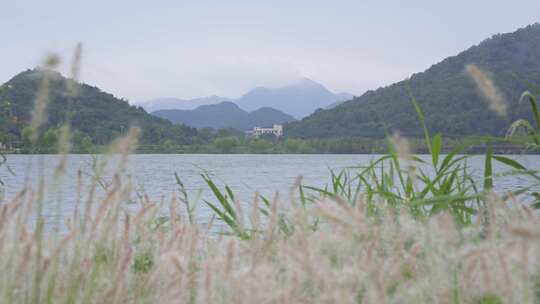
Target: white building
[{"x": 276, "y": 130}]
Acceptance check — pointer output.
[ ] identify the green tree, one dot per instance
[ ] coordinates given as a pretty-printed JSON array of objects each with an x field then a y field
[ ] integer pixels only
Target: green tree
[
  {"x": 168, "y": 146},
  {"x": 226, "y": 144},
  {"x": 86, "y": 145},
  {"x": 26, "y": 135},
  {"x": 292, "y": 145},
  {"x": 260, "y": 146},
  {"x": 205, "y": 135},
  {"x": 47, "y": 141},
  {"x": 5, "y": 121}
]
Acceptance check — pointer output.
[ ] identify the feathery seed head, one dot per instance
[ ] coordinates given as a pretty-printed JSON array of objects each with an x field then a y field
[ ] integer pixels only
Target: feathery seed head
[{"x": 488, "y": 89}]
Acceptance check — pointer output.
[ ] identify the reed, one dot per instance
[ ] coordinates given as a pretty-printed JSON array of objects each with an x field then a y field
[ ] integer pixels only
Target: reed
[{"x": 353, "y": 255}]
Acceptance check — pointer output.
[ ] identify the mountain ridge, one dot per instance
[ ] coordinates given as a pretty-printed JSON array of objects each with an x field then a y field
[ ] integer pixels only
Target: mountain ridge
[
  {"x": 298, "y": 99},
  {"x": 172, "y": 103},
  {"x": 92, "y": 112},
  {"x": 451, "y": 102},
  {"x": 225, "y": 115}
]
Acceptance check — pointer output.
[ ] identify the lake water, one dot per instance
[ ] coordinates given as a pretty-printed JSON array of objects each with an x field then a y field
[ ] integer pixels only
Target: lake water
[{"x": 245, "y": 174}]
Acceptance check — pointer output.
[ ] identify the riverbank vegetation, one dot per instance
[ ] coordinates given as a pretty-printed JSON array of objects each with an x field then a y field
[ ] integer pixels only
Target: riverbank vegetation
[{"x": 230, "y": 141}]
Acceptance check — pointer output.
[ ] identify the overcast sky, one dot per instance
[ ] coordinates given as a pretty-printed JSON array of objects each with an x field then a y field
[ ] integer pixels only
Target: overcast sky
[{"x": 145, "y": 49}]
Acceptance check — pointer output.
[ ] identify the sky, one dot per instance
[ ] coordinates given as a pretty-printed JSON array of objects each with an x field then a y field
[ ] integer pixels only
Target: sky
[{"x": 140, "y": 50}]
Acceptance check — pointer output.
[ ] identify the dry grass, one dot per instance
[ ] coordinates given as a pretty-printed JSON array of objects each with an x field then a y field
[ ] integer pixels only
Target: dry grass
[
  {"x": 488, "y": 89},
  {"x": 110, "y": 255}
]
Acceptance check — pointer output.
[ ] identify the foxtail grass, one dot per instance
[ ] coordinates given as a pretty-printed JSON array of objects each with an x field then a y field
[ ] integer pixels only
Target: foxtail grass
[{"x": 109, "y": 254}]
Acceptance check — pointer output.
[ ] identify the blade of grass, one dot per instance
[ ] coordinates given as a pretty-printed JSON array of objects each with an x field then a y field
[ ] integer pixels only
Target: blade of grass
[
  {"x": 436, "y": 150},
  {"x": 422, "y": 120},
  {"x": 488, "y": 170},
  {"x": 221, "y": 198}
]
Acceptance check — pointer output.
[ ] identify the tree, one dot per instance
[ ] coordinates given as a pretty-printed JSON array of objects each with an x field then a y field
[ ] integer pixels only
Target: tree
[
  {"x": 86, "y": 145},
  {"x": 205, "y": 135},
  {"x": 226, "y": 144},
  {"x": 168, "y": 145},
  {"x": 260, "y": 146},
  {"x": 292, "y": 145},
  {"x": 47, "y": 141},
  {"x": 5, "y": 121},
  {"x": 268, "y": 137},
  {"x": 26, "y": 135}
]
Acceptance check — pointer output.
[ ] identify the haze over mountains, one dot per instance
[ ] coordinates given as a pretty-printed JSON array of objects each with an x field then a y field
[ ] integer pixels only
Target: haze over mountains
[
  {"x": 298, "y": 99},
  {"x": 450, "y": 100},
  {"x": 169, "y": 103}
]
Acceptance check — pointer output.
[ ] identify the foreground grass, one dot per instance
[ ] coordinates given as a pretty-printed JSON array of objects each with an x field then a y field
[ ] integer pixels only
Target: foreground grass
[
  {"x": 346, "y": 245},
  {"x": 352, "y": 255}
]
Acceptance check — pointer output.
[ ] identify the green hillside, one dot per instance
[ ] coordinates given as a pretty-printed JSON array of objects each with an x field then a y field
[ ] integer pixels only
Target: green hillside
[
  {"x": 450, "y": 100},
  {"x": 225, "y": 115},
  {"x": 93, "y": 113}
]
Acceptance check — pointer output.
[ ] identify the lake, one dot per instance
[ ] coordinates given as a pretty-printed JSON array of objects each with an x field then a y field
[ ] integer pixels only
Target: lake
[{"x": 245, "y": 174}]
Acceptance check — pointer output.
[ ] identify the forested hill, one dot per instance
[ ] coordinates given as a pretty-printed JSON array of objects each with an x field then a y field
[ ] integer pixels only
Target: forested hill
[
  {"x": 94, "y": 113},
  {"x": 225, "y": 115},
  {"x": 451, "y": 102}
]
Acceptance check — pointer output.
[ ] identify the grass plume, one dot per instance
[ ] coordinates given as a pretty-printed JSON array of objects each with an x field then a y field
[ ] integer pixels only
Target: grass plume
[
  {"x": 488, "y": 89},
  {"x": 352, "y": 257}
]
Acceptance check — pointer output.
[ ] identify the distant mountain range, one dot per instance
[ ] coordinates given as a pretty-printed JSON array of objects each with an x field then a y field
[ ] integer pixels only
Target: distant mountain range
[
  {"x": 225, "y": 115},
  {"x": 450, "y": 100},
  {"x": 172, "y": 103},
  {"x": 298, "y": 99}
]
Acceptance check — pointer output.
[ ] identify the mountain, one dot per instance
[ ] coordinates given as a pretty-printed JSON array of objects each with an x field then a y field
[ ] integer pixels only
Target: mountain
[
  {"x": 223, "y": 115},
  {"x": 180, "y": 104},
  {"x": 266, "y": 117},
  {"x": 94, "y": 113},
  {"x": 451, "y": 102},
  {"x": 298, "y": 99}
]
